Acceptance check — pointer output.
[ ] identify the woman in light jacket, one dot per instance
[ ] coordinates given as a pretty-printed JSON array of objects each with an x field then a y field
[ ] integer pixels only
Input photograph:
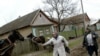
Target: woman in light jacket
[{"x": 58, "y": 44}]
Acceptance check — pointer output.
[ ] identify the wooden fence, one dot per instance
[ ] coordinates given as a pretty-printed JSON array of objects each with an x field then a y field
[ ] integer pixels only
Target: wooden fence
[{"x": 23, "y": 47}]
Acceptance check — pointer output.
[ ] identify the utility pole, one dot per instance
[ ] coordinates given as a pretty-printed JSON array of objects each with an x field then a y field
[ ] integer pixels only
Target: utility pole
[{"x": 83, "y": 15}]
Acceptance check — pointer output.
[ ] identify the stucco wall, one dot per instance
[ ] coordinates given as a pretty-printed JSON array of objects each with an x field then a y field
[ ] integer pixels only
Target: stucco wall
[
  {"x": 24, "y": 31},
  {"x": 4, "y": 36},
  {"x": 41, "y": 20}
]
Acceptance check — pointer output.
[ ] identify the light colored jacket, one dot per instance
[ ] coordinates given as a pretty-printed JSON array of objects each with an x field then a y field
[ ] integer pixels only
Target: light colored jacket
[{"x": 58, "y": 45}]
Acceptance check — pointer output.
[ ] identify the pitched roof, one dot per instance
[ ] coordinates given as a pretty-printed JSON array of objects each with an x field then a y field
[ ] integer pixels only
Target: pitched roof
[
  {"x": 54, "y": 20},
  {"x": 20, "y": 22},
  {"x": 75, "y": 19}
]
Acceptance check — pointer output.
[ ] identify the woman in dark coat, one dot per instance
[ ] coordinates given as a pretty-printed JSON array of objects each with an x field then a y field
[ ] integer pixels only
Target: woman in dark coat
[{"x": 90, "y": 42}]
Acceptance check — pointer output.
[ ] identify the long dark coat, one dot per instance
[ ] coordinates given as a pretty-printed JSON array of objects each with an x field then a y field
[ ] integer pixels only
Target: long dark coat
[{"x": 85, "y": 43}]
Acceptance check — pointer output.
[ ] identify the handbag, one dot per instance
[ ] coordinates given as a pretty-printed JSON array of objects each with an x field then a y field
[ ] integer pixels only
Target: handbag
[{"x": 67, "y": 49}]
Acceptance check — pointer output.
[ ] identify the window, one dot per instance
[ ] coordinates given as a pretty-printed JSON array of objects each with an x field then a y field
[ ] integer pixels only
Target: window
[
  {"x": 98, "y": 26},
  {"x": 41, "y": 33},
  {"x": 40, "y": 15},
  {"x": 47, "y": 31}
]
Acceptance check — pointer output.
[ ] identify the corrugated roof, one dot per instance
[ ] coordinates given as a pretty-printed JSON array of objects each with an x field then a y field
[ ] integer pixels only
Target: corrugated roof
[
  {"x": 19, "y": 22},
  {"x": 75, "y": 19}
]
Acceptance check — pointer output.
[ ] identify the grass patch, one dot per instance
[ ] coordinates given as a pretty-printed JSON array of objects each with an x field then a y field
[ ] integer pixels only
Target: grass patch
[
  {"x": 68, "y": 34},
  {"x": 71, "y": 33},
  {"x": 46, "y": 54},
  {"x": 79, "y": 32},
  {"x": 76, "y": 42}
]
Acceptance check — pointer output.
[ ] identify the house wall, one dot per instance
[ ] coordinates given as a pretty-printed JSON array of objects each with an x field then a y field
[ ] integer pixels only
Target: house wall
[
  {"x": 43, "y": 30},
  {"x": 70, "y": 27},
  {"x": 42, "y": 26},
  {"x": 87, "y": 23},
  {"x": 25, "y": 31},
  {"x": 41, "y": 20},
  {"x": 98, "y": 26},
  {"x": 4, "y": 36},
  {"x": 79, "y": 26},
  {"x": 67, "y": 27},
  {"x": 92, "y": 27}
]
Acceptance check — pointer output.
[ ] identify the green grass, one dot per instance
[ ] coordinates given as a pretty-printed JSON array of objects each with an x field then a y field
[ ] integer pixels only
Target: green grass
[
  {"x": 71, "y": 33},
  {"x": 46, "y": 54},
  {"x": 76, "y": 42},
  {"x": 68, "y": 34},
  {"x": 80, "y": 32}
]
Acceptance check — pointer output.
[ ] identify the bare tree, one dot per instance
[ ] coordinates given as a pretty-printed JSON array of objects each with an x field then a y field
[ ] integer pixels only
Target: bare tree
[{"x": 60, "y": 9}]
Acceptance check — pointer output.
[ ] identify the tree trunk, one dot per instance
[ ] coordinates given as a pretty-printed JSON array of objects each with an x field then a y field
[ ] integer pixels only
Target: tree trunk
[{"x": 58, "y": 23}]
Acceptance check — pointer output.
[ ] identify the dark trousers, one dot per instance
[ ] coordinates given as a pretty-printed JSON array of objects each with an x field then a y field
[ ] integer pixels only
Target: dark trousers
[{"x": 91, "y": 50}]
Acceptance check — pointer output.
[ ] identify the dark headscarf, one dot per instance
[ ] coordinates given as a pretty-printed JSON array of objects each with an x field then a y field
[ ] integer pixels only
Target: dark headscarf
[{"x": 89, "y": 30}]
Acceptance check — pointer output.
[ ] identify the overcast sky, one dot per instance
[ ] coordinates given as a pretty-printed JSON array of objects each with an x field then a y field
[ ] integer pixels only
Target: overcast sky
[{"x": 11, "y": 9}]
